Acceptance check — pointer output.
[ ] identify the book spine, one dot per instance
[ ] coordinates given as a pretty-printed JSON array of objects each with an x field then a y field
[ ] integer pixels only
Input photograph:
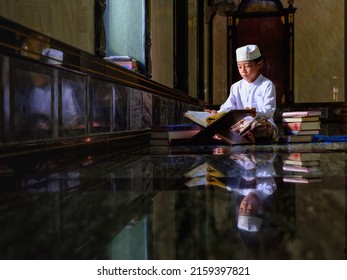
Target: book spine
[
  {"x": 295, "y": 114},
  {"x": 301, "y": 132},
  {"x": 299, "y": 138},
  {"x": 300, "y": 119},
  {"x": 301, "y": 125},
  {"x": 292, "y": 125},
  {"x": 292, "y": 132},
  {"x": 301, "y": 113},
  {"x": 119, "y": 58}
]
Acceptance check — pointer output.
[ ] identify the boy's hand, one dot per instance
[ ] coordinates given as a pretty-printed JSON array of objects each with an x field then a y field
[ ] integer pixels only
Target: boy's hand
[
  {"x": 254, "y": 111},
  {"x": 216, "y": 137},
  {"x": 213, "y": 112},
  {"x": 250, "y": 136}
]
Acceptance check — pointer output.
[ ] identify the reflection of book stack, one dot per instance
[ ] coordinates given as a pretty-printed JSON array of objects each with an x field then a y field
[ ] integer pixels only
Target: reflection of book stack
[
  {"x": 301, "y": 179},
  {"x": 300, "y": 126},
  {"x": 164, "y": 135},
  {"x": 302, "y": 168},
  {"x": 125, "y": 61}
]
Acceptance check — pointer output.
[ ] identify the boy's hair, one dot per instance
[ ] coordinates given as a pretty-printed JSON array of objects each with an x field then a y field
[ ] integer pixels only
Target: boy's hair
[{"x": 260, "y": 58}]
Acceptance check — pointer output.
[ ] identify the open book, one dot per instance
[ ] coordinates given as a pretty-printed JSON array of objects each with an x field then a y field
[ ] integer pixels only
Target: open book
[
  {"x": 229, "y": 126},
  {"x": 205, "y": 119},
  {"x": 208, "y": 175},
  {"x": 198, "y": 117}
]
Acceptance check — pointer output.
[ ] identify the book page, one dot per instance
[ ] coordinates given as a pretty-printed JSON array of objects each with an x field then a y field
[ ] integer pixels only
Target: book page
[{"x": 198, "y": 117}]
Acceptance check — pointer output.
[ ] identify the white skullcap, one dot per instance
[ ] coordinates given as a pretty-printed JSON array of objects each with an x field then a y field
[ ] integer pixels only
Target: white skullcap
[
  {"x": 56, "y": 55},
  {"x": 249, "y": 223},
  {"x": 249, "y": 52}
]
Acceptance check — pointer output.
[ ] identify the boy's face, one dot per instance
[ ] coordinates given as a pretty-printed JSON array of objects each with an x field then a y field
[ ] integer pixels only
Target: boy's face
[
  {"x": 249, "y": 70},
  {"x": 250, "y": 205}
]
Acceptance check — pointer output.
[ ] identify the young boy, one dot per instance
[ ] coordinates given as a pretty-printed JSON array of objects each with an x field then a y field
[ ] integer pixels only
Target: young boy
[{"x": 253, "y": 91}]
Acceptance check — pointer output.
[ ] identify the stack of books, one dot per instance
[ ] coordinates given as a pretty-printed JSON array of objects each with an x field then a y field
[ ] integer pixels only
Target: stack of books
[
  {"x": 300, "y": 126},
  {"x": 302, "y": 167},
  {"x": 164, "y": 135},
  {"x": 125, "y": 61}
]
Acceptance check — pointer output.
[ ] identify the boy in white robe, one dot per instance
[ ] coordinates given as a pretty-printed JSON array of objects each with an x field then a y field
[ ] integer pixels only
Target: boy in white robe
[{"x": 253, "y": 91}]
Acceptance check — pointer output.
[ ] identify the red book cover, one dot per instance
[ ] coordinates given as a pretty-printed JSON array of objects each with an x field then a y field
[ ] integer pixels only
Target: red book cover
[
  {"x": 301, "y": 125},
  {"x": 301, "y": 119}
]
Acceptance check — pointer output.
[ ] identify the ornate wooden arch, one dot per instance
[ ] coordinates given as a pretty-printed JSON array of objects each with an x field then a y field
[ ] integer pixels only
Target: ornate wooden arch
[
  {"x": 257, "y": 6},
  {"x": 271, "y": 26}
]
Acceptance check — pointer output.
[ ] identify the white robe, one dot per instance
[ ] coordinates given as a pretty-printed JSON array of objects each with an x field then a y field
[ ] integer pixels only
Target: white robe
[{"x": 261, "y": 95}]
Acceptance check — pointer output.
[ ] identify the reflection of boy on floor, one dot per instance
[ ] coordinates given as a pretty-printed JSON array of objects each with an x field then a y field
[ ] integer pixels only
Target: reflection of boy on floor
[{"x": 257, "y": 167}]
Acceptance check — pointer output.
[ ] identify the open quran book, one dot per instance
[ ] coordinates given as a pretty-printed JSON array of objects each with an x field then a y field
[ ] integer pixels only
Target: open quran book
[{"x": 230, "y": 126}]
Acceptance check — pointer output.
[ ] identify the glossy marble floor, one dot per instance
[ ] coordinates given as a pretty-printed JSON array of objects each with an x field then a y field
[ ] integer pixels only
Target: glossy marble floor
[{"x": 181, "y": 202}]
